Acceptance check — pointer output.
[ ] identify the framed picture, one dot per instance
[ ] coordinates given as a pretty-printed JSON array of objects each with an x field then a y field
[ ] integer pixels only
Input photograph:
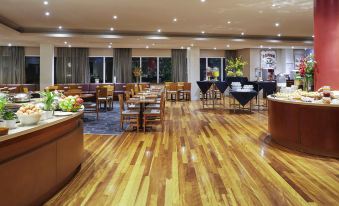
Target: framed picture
[{"x": 268, "y": 59}]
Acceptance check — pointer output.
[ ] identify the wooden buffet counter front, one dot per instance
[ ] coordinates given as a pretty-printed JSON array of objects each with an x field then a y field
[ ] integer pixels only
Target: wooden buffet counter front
[
  {"x": 307, "y": 127},
  {"x": 36, "y": 162}
]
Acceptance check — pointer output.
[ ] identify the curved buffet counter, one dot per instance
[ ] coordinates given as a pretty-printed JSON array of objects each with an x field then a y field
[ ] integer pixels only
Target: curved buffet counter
[
  {"x": 308, "y": 127},
  {"x": 37, "y": 161}
]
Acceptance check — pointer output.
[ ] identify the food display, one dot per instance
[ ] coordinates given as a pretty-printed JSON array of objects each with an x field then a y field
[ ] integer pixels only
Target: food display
[
  {"x": 71, "y": 104},
  {"x": 29, "y": 114},
  {"x": 323, "y": 96},
  {"x": 21, "y": 98}
]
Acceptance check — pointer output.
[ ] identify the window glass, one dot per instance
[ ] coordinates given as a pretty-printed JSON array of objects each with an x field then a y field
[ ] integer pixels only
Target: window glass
[
  {"x": 202, "y": 69},
  {"x": 165, "y": 69},
  {"x": 109, "y": 69},
  {"x": 32, "y": 69},
  {"x": 96, "y": 65},
  {"x": 223, "y": 69},
  {"x": 149, "y": 69},
  {"x": 135, "y": 63}
]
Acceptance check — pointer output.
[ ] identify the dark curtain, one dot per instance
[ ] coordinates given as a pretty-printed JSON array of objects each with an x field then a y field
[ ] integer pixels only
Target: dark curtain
[
  {"x": 122, "y": 65},
  {"x": 72, "y": 65},
  {"x": 12, "y": 65},
  {"x": 179, "y": 65}
]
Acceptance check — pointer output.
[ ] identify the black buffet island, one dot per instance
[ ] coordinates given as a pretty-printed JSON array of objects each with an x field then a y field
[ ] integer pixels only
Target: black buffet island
[
  {"x": 305, "y": 121},
  {"x": 40, "y": 150}
]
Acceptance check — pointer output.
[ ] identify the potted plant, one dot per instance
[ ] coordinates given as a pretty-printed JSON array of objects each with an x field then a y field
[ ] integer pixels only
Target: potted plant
[
  {"x": 235, "y": 67},
  {"x": 48, "y": 100},
  {"x": 9, "y": 119},
  {"x": 3, "y": 103}
]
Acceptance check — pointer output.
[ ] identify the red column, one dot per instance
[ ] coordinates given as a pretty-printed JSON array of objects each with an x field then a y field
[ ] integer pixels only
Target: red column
[{"x": 326, "y": 42}]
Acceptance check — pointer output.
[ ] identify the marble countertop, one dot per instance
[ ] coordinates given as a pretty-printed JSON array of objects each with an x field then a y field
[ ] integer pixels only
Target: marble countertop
[
  {"x": 22, "y": 130},
  {"x": 301, "y": 102}
]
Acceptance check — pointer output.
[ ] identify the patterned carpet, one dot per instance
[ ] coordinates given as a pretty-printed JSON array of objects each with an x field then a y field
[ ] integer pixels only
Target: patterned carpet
[{"x": 108, "y": 122}]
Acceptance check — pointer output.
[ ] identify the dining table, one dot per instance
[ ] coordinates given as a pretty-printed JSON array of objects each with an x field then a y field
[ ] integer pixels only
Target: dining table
[{"x": 243, "y": 97}]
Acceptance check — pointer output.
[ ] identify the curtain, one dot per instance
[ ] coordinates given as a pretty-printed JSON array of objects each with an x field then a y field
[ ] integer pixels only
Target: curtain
[
  {"x": 12, "y": 65},
  {"x": 122, "y": 65},
  {"x": 72, "y": 65},
  {"x": 179, "y": 65}
]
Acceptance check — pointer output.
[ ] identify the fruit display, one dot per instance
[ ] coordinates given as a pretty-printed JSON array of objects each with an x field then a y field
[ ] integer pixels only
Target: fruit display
[{"x": 71, "y": 104}]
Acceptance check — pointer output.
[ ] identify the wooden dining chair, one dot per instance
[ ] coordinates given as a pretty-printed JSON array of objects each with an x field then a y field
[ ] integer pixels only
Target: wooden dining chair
[
  {"x": 172, "y": 91},
  {"x": 73, "y": 92},
  {"x": 132, "y": 117},
  {"x": 131, "y": 106},
  {"x": 154, "y": 116},
  {"x": 157, "y": 104},
  {"x": 102, "y": 96},
  {"x": 185, "y": 93}
]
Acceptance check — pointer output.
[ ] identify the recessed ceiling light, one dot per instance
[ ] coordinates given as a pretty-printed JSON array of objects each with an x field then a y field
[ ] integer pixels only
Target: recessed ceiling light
[
  {"x": 273, "y": 5},
  {"x": 109, "y": 46},
  {"x": 277, "y": 24},
  {"x": 279, "y": 35},
  {"x": 46, "y": 2},
  {"x": 292, "y": 47},
  {"x": 69, "y": 45},
  {"x": 110, "y": 43},
  {"x": 228, "y": 22},
  {"x": 65, "y": 42},
  {"x": 175, "y": 20},
  {"x": 112, "y": 29},
  {"x": 192, "y": 45},
  {"x": 159, "y": 30},
  {"x": 60, "y": 27},
  {"x": 115, "y": 17},
  {"x": 188, "y": 48},
  {"x": 47, "y": 13},
  {"x": 227, "y": 45},
  {"x": 203, "y": 0},
  {"x": 215, "y": 48},
  {"x": 9, "y": 44},
  {"x": 261, "y": 46},
  {"x": 312, "y": 36},
  {"x": 147, "y": 47},
  {"x": 242, "y": 33},
  {"x": 203, "y": 32},
  {"x": 182, "y": 47}
]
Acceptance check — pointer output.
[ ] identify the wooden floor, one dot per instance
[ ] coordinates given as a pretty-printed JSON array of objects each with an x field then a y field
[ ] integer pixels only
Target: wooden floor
[{"x": 204, "y": 157}]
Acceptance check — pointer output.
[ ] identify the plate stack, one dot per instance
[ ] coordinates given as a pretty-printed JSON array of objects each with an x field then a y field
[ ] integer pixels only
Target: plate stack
[
  {"x": 248, "y": 88},
  {"x": 236, "y": 86}
]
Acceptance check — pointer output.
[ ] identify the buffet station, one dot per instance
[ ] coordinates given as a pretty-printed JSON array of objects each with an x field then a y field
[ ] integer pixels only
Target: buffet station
[
  {"x": 305, "y": 121},
  {"x": 41, "y": 146}
]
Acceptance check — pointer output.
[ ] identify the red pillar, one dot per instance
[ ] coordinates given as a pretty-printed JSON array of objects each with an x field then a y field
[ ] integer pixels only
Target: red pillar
[{"x": 326, "y": 42}]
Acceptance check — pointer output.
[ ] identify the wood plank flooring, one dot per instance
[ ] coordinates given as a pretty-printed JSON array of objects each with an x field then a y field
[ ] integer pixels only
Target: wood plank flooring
[{"x": 204, "y": 157}]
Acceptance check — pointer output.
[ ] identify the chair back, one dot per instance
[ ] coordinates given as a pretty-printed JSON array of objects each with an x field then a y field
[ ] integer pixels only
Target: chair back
[
  {"x": 101, "y": 92},
  {"x": 51, "y": 88},
  {"x": 73, "y": 92},
  {"x": 173, "y": 87},
  {"x": 130, "y": 86},
  {"x": 162, "y": 104},
  {"x": 136, "y": 88},
  {"x": 121, "y": 103},
  {"x": 128, "y": 95},
  {"x": 132, "y": 92},
  {"x": 187, "y": 86}
]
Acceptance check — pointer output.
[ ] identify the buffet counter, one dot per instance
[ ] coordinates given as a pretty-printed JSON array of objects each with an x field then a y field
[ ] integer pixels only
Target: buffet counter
[
  {"x": 304, "y": 126},
  {"x": 37, "y": 161}
]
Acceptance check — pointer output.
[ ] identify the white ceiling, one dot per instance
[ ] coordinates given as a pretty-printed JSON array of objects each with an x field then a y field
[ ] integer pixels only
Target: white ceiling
[{"x": 86, "y": 23}]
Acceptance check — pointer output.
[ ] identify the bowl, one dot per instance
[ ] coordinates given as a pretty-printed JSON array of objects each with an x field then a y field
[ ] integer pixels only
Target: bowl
[
  {"x": 3, "y": 131},
  {"x": 29, "y": 119}
]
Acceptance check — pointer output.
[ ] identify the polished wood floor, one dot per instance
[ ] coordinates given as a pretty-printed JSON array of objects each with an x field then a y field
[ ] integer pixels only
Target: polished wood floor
[{"x": 204, "y": 157}]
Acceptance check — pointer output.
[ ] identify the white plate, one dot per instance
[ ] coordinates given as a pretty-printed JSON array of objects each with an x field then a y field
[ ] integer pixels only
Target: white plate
[{"x": 58, "y": 113}]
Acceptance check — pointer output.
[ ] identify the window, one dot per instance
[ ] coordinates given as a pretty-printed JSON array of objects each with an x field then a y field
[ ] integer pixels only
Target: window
[
  {"x": 96, "y": 65},
  {"x": 165, "y": 69},
  {"x": 109, "y": 69},
  {"x": 149, "y": 69},
  {"x": 32, "y": 69},
  {"x": 135, "y": 63},
  {"x": 224, "y": 67},
  {"x": 202, "y": 69}
]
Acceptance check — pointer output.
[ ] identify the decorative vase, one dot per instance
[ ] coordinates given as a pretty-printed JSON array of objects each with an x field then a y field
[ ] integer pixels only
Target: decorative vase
[{"x": 11, "y": 124}]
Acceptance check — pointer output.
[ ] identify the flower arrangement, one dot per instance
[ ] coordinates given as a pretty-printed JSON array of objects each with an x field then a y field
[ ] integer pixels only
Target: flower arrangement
[
  {"x": 235, "y": 67},
  {"x": 137, "y": 71},
  {"x": 71, "y": 104},
  {"x": 306, "y": 70}
]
